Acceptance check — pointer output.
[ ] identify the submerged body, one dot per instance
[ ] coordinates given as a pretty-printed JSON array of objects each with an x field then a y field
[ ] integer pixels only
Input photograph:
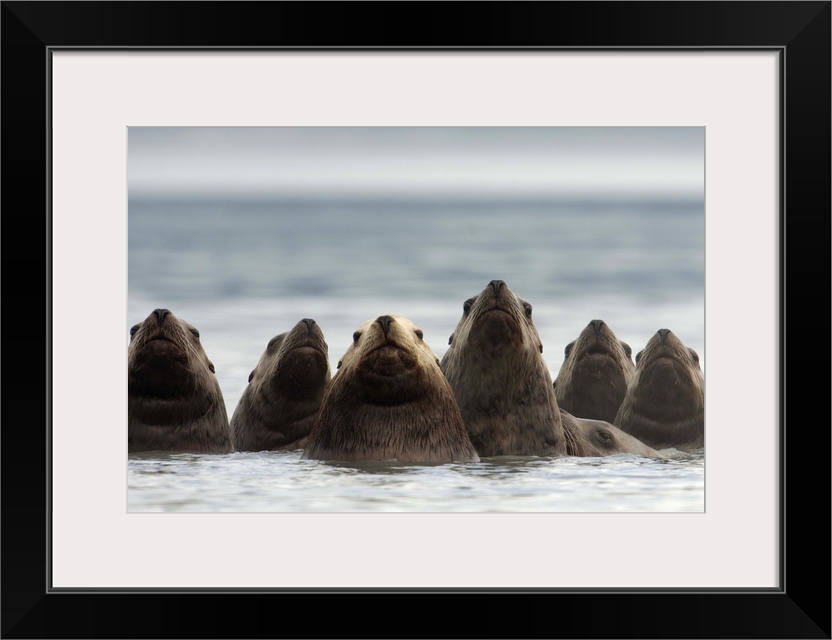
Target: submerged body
[
  {"x": 174, "y": 399},
  {"x": 280, "y": 404},
  {"x": 389, "y": 401}
]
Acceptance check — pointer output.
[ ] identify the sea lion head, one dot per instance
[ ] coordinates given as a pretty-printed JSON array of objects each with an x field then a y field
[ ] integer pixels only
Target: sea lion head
[
  {"x": 166, "y": 359},
  {"x": 389, "y": 361},
  {"x": 669, "y": 371},
  {"x": 596, "y": 371},
  {"x": 294, "y": 366},
  {"x": 587, "y": 437},
  {"x": 496, "y": 327},
  {"x": 665, "y": 402}
]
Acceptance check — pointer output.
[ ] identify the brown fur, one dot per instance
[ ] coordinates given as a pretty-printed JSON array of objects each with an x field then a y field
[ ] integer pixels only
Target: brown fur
[
  {"x": 596, "y": 371},
  {"x": 280, "y": 404},
  {"x": 500, "y": 380},
  {"x": 174, "y": 400},
  {"x": 389, "y": 400},
  {"x": 665, "y": 403}
]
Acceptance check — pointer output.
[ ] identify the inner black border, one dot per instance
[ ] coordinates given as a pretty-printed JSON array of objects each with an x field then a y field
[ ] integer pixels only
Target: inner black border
[{"x": 800, "y": 608}]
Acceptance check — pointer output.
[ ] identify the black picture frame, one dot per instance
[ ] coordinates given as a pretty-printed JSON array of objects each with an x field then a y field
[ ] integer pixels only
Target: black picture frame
[{"x": 799, "y": 608}]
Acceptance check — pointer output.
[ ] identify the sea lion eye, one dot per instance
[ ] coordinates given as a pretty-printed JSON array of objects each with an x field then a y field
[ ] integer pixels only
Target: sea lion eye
[
  {"x": 568, "y": 348},
  {"x": 528, "y": 309},
  {"x": 694, "y": 355},
  {"x": 466, "y": 306},
  {"x": 356, "y": 336},
  {"x": 419, "y": 334},
  {"x": 271, "y": 343},
  {"x": 339, "y": 365},
  {"x": 451, "y": 339},
  {"x": 638, "y": 355},
  {"x": 211, "y": 367},
  {"x": 606, "y": 436},
  {"x": 251, "y": 375},
  {"x": 627, "y": 349},
  {"x": 540, "y": 346},
  {"x": 196, "y": 333},
  {"x": 133, "y": 329}
]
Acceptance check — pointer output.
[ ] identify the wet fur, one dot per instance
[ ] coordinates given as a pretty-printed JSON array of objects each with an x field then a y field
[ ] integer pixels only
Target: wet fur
[
  {"x": 279, "y": 406},
  {"x": 595, "y": 374},
  {"x": 174, "y": 399},
  {"x": 389, "y": 400},
  {"x": 665, "y": 403}
]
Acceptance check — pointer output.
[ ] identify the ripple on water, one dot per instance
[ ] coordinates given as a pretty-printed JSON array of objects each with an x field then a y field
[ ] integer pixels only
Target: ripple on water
[{"x": 284, "y": 483}]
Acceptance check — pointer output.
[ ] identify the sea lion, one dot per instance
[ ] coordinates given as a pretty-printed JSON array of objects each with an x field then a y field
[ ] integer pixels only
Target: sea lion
[
  {"x": 174, "y": 400},
  {"x": 501, "y": 382},
  {"x": 284, "y": 392},
  {"x": 587, "y": 437},
  {"x": 665, "y": 403},
  {"x": 596, "y": 371},
  {"x": 389, "y": 400},
  {"x": 504, "y": 391}
]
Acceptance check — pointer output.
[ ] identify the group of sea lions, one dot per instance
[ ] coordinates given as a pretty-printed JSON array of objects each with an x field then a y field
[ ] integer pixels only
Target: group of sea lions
[{"x": 393, "y": 399}]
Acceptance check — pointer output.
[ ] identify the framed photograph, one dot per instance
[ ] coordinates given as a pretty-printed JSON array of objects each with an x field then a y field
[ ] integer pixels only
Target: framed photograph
[{"x": 118, "y": 111}]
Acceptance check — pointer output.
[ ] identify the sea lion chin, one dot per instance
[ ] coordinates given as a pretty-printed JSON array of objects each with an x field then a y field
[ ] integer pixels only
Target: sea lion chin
[
  {"x": 174, "y": 399},
  {"x": 665, "y": 402},
  {"x": 389, "y": 401},
  {"x": 596, "y": 371},
  {"x": 281, "y": 402}
]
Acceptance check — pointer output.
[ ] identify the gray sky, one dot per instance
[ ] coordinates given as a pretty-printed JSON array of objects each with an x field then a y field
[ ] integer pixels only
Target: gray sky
[{"x": 414, "y": 161}]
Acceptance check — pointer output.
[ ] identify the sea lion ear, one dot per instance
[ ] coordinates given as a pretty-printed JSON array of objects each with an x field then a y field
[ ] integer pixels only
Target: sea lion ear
[{"x": 251, "y": 375}]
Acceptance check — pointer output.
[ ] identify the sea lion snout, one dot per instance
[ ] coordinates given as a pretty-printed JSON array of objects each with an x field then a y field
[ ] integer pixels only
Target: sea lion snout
[
  {"x": 663, "y": 334},
  {"x": 385, "y": 321},
  {"x": 161, "y": 314},
  {"x": 496, "y": 286},
  {"x": 309, "y": 322},
  {"x": 597, "y": 324}
]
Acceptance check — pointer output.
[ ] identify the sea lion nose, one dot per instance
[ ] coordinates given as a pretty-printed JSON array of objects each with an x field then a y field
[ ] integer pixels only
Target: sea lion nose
[
  {"x": 309, "y": 322},
  {"x": 160, "y": 314},
  {"x": 385, "y": 321},
  {"x": 597, "y": 324},
  {"x": 663, "y": 334},
  {"x": 496, "y": 285}
]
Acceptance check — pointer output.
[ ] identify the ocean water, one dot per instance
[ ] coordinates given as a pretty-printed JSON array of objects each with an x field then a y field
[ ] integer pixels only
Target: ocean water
[{"x": 243, "y": 271}]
